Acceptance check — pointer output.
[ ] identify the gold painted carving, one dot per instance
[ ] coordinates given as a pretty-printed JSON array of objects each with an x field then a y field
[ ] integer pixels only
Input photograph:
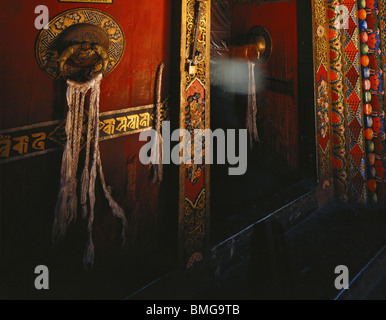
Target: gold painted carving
[
  {"x": 194, "y": 227},
  {"x": 201, "y": 38}
]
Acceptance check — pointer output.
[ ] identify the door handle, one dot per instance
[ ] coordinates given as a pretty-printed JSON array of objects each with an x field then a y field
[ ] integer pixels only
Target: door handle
[
  {"x": 82, "y": 46},
  {"x": 77, "y": 49},
  {"x": 257, "y": 45}
]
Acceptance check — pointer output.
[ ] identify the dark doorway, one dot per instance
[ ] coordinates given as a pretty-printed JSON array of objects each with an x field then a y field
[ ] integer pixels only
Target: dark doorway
[{"x": 282, "y": 165}]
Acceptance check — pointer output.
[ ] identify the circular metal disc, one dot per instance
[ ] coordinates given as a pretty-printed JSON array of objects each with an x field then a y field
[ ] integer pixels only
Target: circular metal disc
[{"x": 45, "y": 46}]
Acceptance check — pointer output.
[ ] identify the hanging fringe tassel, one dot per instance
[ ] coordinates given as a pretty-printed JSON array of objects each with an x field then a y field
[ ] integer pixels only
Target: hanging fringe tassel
[
  {"x": 156, "y": 157},
  {"x": 251, "y": 120},
  {"x": 66, "y": 207}
]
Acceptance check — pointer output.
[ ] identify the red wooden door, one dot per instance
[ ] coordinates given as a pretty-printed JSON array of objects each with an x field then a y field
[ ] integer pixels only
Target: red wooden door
[
  {"x": 29, "y": 183},
  {"x": 277, "y": 99}
]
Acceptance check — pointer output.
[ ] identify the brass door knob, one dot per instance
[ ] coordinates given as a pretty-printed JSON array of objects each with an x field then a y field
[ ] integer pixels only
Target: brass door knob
[
  {"x": 261, "y": 41},
  {"x": 256, "y": 46}
]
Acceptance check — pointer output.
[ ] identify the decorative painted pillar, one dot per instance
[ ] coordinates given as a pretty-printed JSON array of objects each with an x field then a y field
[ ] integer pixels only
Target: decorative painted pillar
[
  {"x": 382, "y": 28},
  {"x": 322, "y": 92},
  {"x": 356, "y": 167},
  {"x": 373, "y": 96},
  {"x": 194, "y": 114},
  {"x": 338, "y": 104}
]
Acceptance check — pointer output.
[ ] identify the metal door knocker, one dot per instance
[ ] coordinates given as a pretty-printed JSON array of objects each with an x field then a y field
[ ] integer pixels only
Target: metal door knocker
[{"x": 83, "y": 46}]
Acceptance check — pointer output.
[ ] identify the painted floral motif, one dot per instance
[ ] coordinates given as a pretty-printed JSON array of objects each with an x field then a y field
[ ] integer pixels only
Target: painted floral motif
[
  {"x": 376, "y": 82},
  {"x": 372, "y": 4},
  {"x": 323, "y": 108},
  {"x": 374, "y": 41},
  {"x": 68, "y": 20},
  {"x": 379, "y": 169},
  {"x": 378, "y": 125},
  {"x": 195, "y": 120},
  {"x": 372, "y": 21},
  {"x": 321, "y": 31},
  {"x": 375, "y": 61},
  {"x": 195, "y": 113},
  {"x": 112, "y": 30}
]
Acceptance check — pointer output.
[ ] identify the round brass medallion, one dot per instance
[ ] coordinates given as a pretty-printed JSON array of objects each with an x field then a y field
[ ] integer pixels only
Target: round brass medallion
[{"x": 97, "y": 36}]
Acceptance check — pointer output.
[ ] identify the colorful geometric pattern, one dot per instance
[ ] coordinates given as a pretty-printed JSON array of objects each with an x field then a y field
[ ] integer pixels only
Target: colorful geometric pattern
[
  {"x": 338, "y": 108},
  {"x": 322, "y": 89},
  {"x": 373, "y": 96},
  {"x": 354, "y": 107},
  {"x": 382, "y": 28},
  {"x": 351, "y": 67}
]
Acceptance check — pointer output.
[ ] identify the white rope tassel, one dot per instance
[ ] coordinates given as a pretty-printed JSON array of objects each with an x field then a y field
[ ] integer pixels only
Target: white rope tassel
[
  {"x": 66, "y": 207},
  {"x": 252, "y": 106},
  {"x": 96, "y": 167},
  {"x": 88, "y": 258},
  {"x": 156, "y": 157},
  {"x": 63, "y": 214},
  {"x": 86, "y": 174}
]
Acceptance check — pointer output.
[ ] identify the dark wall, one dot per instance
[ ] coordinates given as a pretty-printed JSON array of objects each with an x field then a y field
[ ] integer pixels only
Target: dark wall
[{"x": 307, "y": 134}]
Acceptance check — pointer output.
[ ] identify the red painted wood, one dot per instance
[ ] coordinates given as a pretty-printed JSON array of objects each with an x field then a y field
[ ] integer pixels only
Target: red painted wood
[{"x": 28, "y": 94}]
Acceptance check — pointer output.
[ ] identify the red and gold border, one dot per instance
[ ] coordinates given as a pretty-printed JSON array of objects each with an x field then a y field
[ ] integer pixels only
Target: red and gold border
[
  {"x": 322, "y": 92},
  {"x": 194, "y": 105}
]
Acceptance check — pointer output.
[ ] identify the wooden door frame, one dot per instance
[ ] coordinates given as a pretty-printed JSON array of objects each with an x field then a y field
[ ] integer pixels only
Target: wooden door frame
[
  {"x": 194, "y": 212},
  {"x": 194, "y": 209}
]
